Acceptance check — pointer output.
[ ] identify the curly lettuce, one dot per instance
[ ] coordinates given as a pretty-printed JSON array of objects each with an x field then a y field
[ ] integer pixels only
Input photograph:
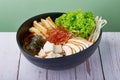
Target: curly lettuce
[{"x": 78, "y": 22}]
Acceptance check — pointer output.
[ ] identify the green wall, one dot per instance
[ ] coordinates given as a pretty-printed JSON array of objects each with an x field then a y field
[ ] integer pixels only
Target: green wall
[{"x": 14, "y": 12}]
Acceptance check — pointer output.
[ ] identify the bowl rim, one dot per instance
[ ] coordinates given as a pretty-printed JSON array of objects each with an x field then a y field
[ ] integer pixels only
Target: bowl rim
[{"x": 26, "y": 53}]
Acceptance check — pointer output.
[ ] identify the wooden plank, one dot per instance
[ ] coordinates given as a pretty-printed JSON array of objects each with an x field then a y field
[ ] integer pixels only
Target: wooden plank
[
  {"x": 53, "y": 75},
  {"x": 62, "y": 75},
  {"x": 91, "y": 69},
  {"x": 110, "y": 54},
  {"x": 68, "y": 74},
  {"x": 28, "y": 71},
  {"x": 9, "y": 56}
]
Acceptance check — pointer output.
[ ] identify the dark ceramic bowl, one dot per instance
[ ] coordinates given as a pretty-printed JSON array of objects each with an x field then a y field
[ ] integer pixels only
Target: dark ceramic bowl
[{"x": 53, "y": 63}]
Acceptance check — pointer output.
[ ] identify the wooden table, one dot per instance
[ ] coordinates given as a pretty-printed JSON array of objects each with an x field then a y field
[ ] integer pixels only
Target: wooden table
[{"x": 104, "y": 64}]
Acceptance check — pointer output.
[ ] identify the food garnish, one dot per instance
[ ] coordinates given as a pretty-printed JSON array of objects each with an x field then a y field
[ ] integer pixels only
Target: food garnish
[{"x": 58, "y": 36}]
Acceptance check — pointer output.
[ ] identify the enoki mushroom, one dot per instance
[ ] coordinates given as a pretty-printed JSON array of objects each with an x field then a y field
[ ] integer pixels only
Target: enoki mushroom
[{"x": 96, "y": 32}]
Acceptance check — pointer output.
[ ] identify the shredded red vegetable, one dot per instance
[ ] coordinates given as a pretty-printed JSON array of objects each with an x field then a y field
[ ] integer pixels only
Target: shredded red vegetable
[{"x": 58, "y": 36}]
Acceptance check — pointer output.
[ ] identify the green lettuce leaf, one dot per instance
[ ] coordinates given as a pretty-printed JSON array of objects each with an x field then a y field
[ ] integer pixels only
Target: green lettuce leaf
[{"x": 78, "y": 22}]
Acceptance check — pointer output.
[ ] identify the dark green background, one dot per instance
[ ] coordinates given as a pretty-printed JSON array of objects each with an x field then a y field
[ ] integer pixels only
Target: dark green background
[{"x": 14, "y": 12}]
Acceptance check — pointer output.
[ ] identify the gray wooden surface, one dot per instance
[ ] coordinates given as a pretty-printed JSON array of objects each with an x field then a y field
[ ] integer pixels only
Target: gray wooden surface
[{"x": 104, "y": 64}]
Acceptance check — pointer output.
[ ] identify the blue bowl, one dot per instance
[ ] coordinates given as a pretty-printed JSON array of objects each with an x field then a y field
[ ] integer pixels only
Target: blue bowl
[{"x": 60, "y": 63}]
